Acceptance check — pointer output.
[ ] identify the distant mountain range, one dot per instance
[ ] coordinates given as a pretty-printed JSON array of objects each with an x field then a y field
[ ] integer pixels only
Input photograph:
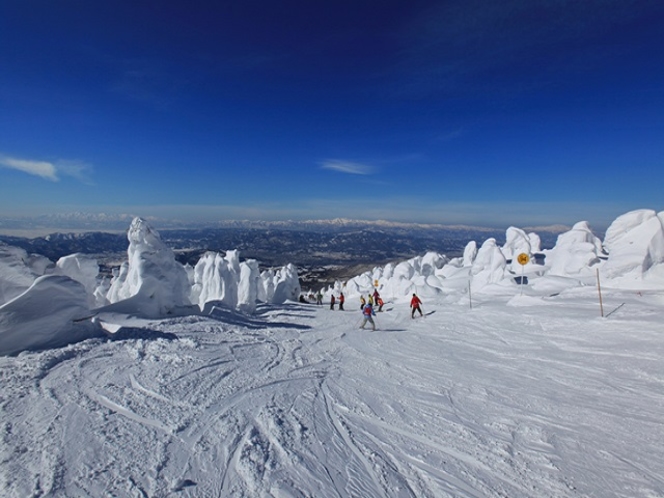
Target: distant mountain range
[
  {"x": 323, "y": 250},
  {"x": 80, "y": 221}
]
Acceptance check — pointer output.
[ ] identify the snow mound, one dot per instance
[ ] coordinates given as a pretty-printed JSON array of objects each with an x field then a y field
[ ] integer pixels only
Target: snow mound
[
  {"x": 83, "y": 269},
  {"x": 223, "y": 279},
  {"x": 286, "y": 285},
  {"x": 151, "y": 273},
  {"x": 18, "y": 271},
  {"x": 575, "y": 253},
  {"x": 489, "y": 266},
  {"x": 469, "y": 253},
  {"x": 47, "y": 314},
  {"x": 216, "y": 279},
  {"x": 635, "y": 243},
  {"x": 516, "y": 242},
  {"x": 247, "y": 292}
]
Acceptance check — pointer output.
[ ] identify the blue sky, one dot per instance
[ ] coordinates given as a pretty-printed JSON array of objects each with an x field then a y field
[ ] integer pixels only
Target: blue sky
[{"x": 469, "y": 111}]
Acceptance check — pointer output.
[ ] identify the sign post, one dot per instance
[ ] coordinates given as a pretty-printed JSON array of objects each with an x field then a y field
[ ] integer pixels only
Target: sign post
[{"x": 523, "y": 260}]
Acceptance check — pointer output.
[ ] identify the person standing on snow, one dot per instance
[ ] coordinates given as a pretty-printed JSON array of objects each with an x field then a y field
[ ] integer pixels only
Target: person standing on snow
[
  {"x": 341, "y": 301},
  {"x": 368, "y": 313},
  {"x": 319, "y": 298},
  {"x": 380, "y": 303},
  {"x": 376, "y": 296},
  {"x": 415, "y": 305},
  {"x": 362, "y": 302},
  {"x": 332, "y": 302}
]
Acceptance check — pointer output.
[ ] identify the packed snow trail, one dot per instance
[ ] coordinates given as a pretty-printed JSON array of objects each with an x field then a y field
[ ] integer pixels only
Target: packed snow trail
[{"x": 540, "y": 400}]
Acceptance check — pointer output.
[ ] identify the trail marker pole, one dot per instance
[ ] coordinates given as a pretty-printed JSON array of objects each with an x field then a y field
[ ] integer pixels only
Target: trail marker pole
[
  {"x": 523, "y": 259},
  {"x": 470, "y": 296},
  {"x": 599, "y": 291}
]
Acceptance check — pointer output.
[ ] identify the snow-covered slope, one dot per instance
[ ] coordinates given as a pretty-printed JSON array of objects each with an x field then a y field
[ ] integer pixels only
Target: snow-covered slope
[
  {"x": 541, "y": 398},
  {"x": 499, "y": 390}
]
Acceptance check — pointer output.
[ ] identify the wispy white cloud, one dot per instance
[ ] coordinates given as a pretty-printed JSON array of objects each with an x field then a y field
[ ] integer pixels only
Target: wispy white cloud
[
  {"x": 347, "y": 167},
  {"x": 38, "y": 168},
  {"x": 76, "y": 169},
  {"x": 49, "y": 170}
]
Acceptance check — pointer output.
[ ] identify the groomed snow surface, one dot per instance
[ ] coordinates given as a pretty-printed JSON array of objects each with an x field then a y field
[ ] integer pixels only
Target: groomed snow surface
[{"x": 518, "y": 397}]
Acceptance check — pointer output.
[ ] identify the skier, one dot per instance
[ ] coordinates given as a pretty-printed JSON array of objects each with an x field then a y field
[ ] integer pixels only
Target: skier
[
  {"x": 319, "y": 298},
  {"x": 362, "y": 302},
  {"x": 341, "y": 301},
  {"x": 380, "y": 303},
  {"x": 368, "y": 313},
  {"x": 415, "y": 305},
  {"x": 376, "y": 295},
  {"x": 370, "y": 300},
  {"x": 332, "y": 302}
]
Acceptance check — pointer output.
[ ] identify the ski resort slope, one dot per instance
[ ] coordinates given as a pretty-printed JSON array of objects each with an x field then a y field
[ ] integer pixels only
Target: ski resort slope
[{"x": 520, "y": 398}]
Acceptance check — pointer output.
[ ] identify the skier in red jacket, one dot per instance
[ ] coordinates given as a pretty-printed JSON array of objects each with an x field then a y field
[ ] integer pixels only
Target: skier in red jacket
[{"x": 415, "y": 305}]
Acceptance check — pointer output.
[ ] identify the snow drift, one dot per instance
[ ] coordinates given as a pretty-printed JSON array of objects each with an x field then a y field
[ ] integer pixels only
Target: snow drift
[
  {"x": 83, "y": 269},
  {"x": 18, "y": 270},
  {"x": 53, "y": 311},
  {"x": 635, "y": 243}
]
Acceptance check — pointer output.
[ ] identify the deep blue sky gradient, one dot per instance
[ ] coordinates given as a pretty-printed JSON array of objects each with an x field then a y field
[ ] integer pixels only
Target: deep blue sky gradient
[{"x": 482, "y": 112}]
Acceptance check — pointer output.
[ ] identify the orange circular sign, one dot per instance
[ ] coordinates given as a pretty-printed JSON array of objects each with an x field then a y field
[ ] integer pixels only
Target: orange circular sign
[{"x": 523, "y": 258}]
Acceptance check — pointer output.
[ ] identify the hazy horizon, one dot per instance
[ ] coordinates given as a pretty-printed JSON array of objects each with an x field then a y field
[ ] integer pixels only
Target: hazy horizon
[{"x": 81, "y": 222}]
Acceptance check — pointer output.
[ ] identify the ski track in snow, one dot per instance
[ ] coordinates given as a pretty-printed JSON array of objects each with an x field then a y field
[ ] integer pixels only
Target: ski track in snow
[{"x": 540, "y": 401}]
